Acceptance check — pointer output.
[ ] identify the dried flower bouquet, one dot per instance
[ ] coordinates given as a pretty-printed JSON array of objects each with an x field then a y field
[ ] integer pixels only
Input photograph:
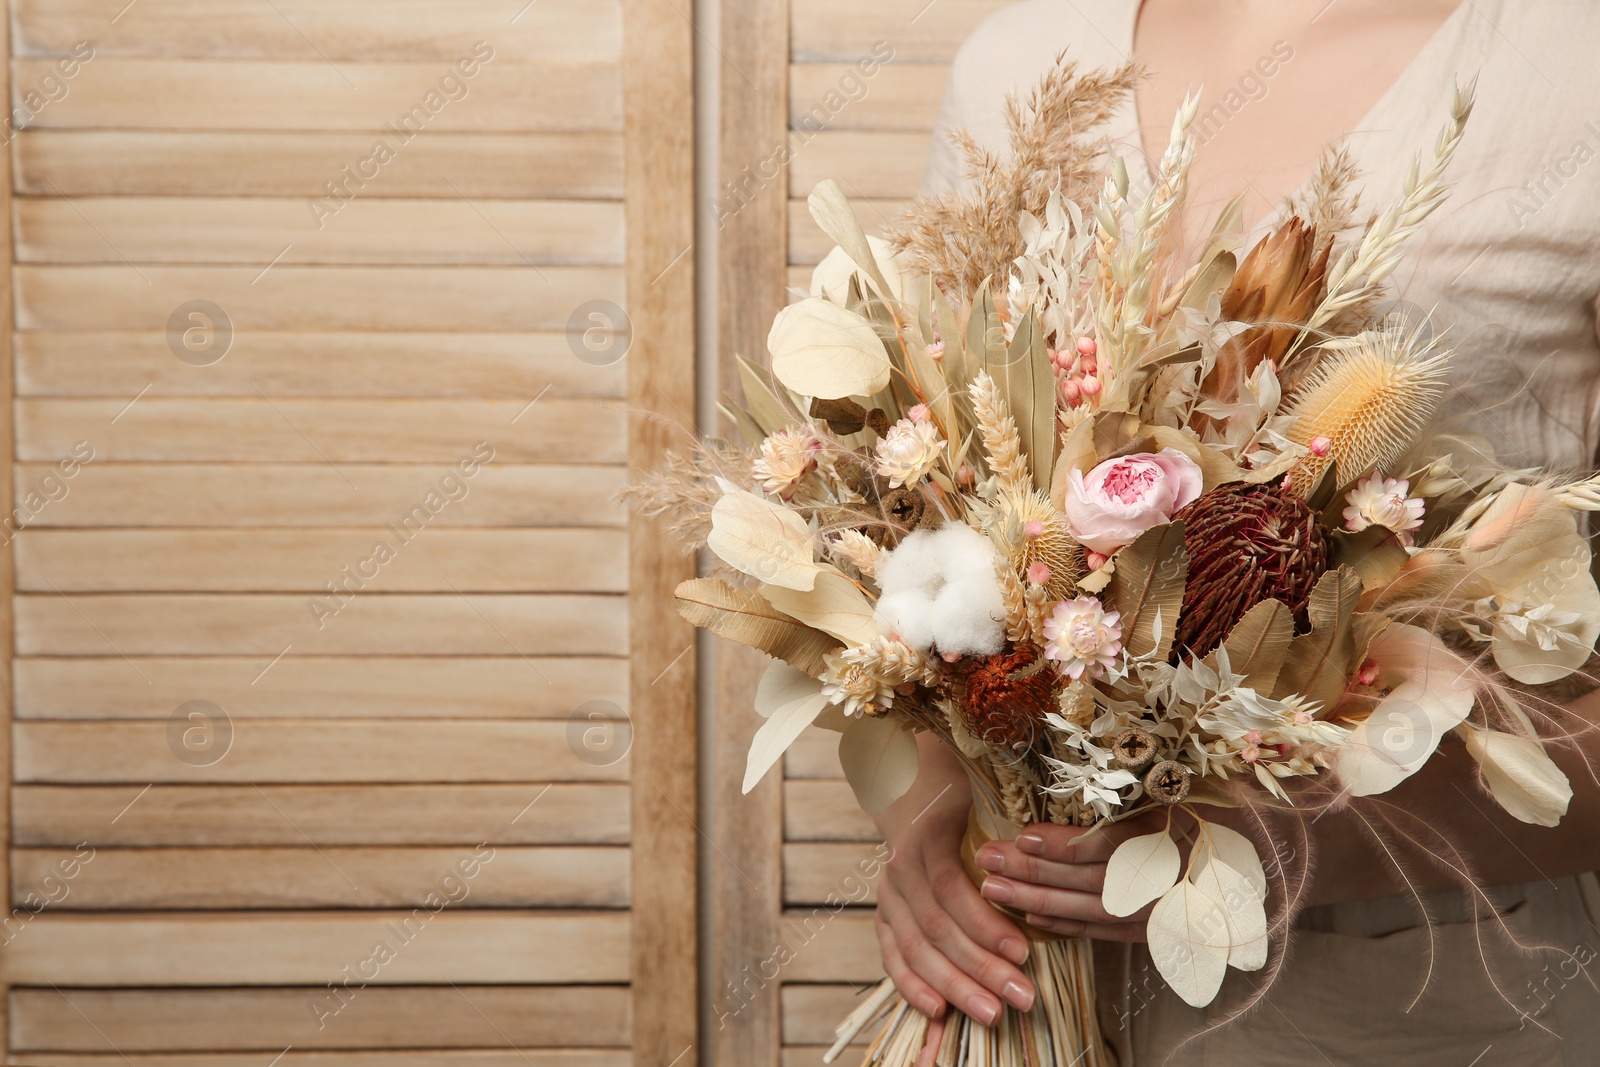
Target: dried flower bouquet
[{"x": 1130, "y": 535}]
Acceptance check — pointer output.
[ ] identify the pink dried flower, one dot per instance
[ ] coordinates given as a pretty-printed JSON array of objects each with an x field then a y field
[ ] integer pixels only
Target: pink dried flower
[
  {"x": 1039, "y": 572},
  {"x": 1123, "y": 497},
  {"x": 1082, "y": 637}
]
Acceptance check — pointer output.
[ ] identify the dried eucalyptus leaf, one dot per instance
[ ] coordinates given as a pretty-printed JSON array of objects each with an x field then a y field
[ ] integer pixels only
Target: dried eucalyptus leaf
[{"x": 879, "y": 756}]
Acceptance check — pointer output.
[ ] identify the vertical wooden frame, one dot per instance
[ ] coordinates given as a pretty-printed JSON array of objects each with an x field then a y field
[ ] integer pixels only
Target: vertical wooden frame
[
  {"x": 8, "y": 437},
  {"x": 750, "y": 208},
  {"x": 658, "y": 98}
]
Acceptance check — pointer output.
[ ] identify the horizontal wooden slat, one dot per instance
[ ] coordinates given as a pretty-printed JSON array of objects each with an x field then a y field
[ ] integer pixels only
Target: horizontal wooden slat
[
  {"x": 200, "y": 949},
  {"x": 302, "y": 751},
  {"x": 254, "y": 230},
  {"x": 398, "y": 101},
  {"x": 572, "y": 30},
  {"x": 423, "y": 365},
  {"x": 827, "y": 873},
  {"x": 243, "y": 878},
  {"x": 322, "y": 687},
  {"x": 824, "y": 810},
  {"x": 266, "y": 624},
  {"x": 814, "y": 754},
  {"x": 525, "y": 1056},
  {"x": 918, "y": 31},
  {"x": 810, "y": 1012},
  {"x": 791, "y": 1056},
  {"x": 204, "y": 816},
  {"x": 379, "y": 1017},
  {"x": 837, "y": 96},
  {"x": 404, "y": 556},
  {"x": 333, "y": 431},
  {"x": 161, "y": 163},
  {"x": 865, "y": 164},
  {"x": 808, "y": 244},
  {"x": 217, "y": 494},
  {"x": 831, "y": 946},
  {"x": 263, "y": 297}
]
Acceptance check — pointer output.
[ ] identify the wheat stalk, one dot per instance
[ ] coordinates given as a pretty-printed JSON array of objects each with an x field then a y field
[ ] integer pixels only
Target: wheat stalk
[{"x": 998, "y": 429}]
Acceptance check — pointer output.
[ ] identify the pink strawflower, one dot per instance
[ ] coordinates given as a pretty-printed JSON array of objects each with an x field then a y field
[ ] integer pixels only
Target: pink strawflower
[{"x": 1082, "y": 637}]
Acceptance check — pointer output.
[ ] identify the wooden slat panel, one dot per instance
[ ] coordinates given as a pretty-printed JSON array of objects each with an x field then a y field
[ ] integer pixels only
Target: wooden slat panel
[
  {"x": 824, "y": 810},
  {"x": 816, "y": 873},
  {"x": 919, "y": 31},
  {"x": 139, "y": 1020},
  {"x": 321, "y": 687},
  {"x": 264, "y": 624},
  {"x": 795, "y": 1055},
  {"x": 836, "y": 96},
  {"x": 311, "y": 751},
  {"x": 216, "y": 494},
  {"x": 165, "y": 163},
  {"x": 865, "y": 164},
  {"x": 815, "y": 754},
  {"x": 832, "y": 946},
  {"x": 201, "y": 816},
  {"x": 279, "y": 561},
  {"x": 204, "y": 94},
  {"x": 307, "y": 948},
  {"x": 571, "y": 31},
  {"x": 810, "y": 1012},
  {"x": 335, "y": 431},
  {"x": 240, "y": 878},
  {"x": 254, "y": 230},
  {"x": 525, "y": 1056},
  {"x": 422, "y": 365},
  {"x": 808, "y": 244},
  {"x": 312, "y": 298}
]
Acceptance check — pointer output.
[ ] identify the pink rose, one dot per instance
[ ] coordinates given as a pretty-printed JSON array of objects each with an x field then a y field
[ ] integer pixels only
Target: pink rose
[{"x": 1122, "y": 498}]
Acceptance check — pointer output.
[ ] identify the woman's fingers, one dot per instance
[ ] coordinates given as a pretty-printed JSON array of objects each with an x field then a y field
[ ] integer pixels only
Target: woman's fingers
[
  {"x": 936, "y": 950},
  {"x": 1007, "y": 859},
  {"x": 1031, "y": 898},
  {"x": 919, "y": 994},
  {"x": 1121, "y": 930}
]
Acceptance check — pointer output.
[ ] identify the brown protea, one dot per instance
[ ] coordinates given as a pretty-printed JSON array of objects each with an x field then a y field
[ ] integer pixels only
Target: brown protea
[
  {"x": 1245, "y": 543},
  {"x": 1276, "y": 288},
  {"x": 1007, "y": 696}
]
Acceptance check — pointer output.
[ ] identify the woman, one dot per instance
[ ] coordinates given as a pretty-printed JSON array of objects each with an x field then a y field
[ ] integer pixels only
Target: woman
[{"x": 1511, "y": 265}]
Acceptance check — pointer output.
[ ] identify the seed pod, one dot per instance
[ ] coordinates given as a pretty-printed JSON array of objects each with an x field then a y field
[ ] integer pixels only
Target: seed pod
[
  {"x": 843, "y": 416},
  {"x": 1167, "y": 782},
  {"x": 878, "y": 420},
  {"x": 1133, "y": 749}
]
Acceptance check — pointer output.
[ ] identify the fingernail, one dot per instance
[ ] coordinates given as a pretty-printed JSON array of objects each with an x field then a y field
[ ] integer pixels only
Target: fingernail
[
  {"x": 1014, "y": 950},
  {"x": 997, "y": 890},
  {"x": 1018, "y": 997},
  {"x": 991, "y": 859},
  {"x": 1031, "y": 843},
  {"x": 984, "y": 1009}
]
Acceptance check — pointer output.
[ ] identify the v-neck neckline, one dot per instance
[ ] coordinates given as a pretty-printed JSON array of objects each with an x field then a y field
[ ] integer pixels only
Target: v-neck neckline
[{"x": 1436, "y": 40}]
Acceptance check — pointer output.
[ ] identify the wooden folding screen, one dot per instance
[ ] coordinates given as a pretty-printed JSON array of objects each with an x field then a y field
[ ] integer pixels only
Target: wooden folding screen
[
  {"x": 320, "y": 389},
  {"x": 810, "y": 89}
]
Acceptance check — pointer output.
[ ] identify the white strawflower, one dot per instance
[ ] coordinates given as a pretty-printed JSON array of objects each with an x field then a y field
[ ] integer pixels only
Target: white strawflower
[
  {"x": 855, "y": 688},
  {"x": 1083, "y": 637},
  {"x": 1380, "y": 501},
  {"x": 908, "y": 452},
  {"x": 786, "y": 457}
]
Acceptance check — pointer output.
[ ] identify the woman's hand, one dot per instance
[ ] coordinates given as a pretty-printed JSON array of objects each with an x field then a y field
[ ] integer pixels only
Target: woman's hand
[
  {"x": 1054, "y": 875},
  {"x": 942, "y": 943}
]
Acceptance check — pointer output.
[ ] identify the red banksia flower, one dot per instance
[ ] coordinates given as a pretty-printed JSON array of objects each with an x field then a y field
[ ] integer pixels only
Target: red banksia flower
[
  {"x": 1245, "y": 543},
  {"x": 1007, "y": 696}
]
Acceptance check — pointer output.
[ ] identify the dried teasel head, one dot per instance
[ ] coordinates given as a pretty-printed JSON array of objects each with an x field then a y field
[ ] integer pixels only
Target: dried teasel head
[
  {"x": 1245, "y": 544},
  {"x": 1167, "y": 782},
  {"x": 1007, "y": 696},
  {"x": 1276, "y": 288},
  {"x": 1133, "y": 749},
  {"x": 1370, "y": 398}
]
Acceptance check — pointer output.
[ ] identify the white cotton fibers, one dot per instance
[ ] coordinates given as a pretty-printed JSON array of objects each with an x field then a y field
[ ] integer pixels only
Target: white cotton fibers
[{"x": 940, "y": 592}]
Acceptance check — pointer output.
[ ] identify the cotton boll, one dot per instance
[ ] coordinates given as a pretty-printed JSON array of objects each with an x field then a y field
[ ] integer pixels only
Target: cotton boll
[
  {"x": 969, "y": 617},
  {"x": 940, "y": 591}
]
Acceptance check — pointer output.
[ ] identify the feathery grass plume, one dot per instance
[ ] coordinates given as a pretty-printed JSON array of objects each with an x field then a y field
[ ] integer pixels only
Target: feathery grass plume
[
  {"x": 683, "y": 489},
  {"x": 964, "y": 237},
  {"x": 998, "y": 429},
  {"x": 1359, "y": 272},
  {"x": 1127, "y": 259},
  {"x": 1329, "y": 200},
  {"x": 1370, "y": 398}
]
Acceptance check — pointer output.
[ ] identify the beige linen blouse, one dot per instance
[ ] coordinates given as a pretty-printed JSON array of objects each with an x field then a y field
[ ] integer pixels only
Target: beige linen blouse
[{"x": 1511, "y": 265}]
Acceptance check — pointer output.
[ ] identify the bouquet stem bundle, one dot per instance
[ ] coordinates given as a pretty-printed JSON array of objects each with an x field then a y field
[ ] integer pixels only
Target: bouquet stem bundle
[{"x": 1060, "y": 1031}]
